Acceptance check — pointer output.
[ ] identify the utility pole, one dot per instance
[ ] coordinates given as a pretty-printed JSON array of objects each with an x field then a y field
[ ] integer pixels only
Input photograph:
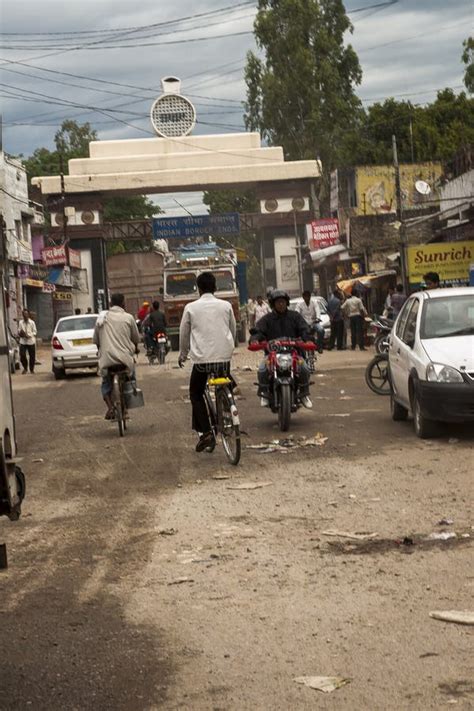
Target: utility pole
[
  {"x": 63, "y": 197},
  {"x": 402, "y": 244},
  {"x": 298, "y": 252}
]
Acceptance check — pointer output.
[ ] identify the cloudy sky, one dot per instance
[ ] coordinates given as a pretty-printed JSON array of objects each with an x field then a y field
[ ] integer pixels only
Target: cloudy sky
[{"x": 105, "y": 59}]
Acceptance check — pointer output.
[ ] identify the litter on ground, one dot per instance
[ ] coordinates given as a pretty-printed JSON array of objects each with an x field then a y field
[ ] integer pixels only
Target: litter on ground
[
  {"x": 347, "y": 534},
  {"x": 283, "y": 445},
  {"x": 250, "y": 485},
  {"x": 462, "y": 617},
  {"x": 322, "y": 683}
]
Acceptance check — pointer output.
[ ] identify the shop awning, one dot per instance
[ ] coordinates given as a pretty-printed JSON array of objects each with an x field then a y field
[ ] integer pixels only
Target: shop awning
[
  {"x": 338, "y": 251},
  {"x": 368, "y": 280}
]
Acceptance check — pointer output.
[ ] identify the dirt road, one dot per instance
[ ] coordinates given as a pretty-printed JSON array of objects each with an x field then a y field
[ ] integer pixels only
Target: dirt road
[{"x": 139, "y": 579}]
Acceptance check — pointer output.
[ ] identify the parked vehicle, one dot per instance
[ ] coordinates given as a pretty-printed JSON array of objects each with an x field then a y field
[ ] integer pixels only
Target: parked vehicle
[
  {"x": 72, "y": 346},
  {"x": 377, "y": 374},
  {"x": 431, "y": 359},
  {"x": 13, "y": 353},
  {"x": 159, "y": 350},
  {"x": 282, "y": 362},
  {"x": 382, "y": 327},
  {"x": 12, "y": 480}
]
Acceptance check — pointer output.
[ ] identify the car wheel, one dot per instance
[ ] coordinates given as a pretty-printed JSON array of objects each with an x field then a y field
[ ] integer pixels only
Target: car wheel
[
  {"x": 59, "y": 373},
  {"x": 424, "y": 429},
  {"x": 399, "y": 413}
]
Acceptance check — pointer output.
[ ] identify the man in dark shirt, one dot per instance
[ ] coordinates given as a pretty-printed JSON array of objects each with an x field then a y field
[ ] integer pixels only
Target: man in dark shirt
[
  {"x": 337, "y": 321},
  {"x": 282, "y": 323},
  {"x": 154, "y": 323}
]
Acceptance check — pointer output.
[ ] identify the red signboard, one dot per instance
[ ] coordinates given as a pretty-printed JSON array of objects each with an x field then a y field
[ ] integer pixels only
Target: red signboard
[
  {"x": 74, "y": 258},
  {"x": 54, "y": 256},
  {"x": 323, "y": 233}
]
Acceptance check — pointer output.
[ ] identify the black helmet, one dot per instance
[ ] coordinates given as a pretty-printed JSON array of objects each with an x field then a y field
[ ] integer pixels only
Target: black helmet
[{"x": 278, "y": 294}]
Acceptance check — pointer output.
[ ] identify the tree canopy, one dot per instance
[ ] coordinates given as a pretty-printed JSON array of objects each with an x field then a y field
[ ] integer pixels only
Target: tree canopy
[
  {"x": 468, "y": 60},
  {"x": 301, "y": 94}
]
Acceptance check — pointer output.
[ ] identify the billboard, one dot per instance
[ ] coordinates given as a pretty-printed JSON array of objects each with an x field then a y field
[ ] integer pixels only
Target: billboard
[
  {"x": 323, "y": 233},
  {"x": 451, "y": 260},
  {"x": 54, "y": 256},
  {"x": 196, "y": 226}
]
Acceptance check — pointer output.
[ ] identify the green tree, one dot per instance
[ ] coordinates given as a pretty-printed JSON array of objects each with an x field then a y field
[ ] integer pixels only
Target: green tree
[
  {"x": 300, "y": 95},
  {"x": 243, "y": 202},
  {"x": 468, "y": 60}
]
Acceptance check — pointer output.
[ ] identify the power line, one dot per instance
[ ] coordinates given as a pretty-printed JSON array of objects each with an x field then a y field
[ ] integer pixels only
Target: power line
[{"x": 406, "y": 39}]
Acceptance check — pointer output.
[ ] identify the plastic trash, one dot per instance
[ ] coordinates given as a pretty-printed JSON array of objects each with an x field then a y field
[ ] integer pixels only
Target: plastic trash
[
  {"x": 461, "y": 617},
  {"x": 322, "y": 683}
]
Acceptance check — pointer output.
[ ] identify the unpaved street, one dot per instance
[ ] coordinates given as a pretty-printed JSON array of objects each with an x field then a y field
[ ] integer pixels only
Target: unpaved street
[{"x": 139, "y": 579}]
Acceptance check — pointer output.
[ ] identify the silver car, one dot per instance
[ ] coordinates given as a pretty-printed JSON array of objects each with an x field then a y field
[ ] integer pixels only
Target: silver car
[
  {"x": 72, "y": 346},
  {"x": 323, "y": 310}
]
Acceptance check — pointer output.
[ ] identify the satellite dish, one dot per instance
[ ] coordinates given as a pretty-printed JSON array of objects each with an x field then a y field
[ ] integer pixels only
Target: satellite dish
[{"x": 422, "y": 187}]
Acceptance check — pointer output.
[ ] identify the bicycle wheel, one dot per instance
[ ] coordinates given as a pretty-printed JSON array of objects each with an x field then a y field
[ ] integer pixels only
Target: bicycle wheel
[
  {"x": 377, "y": 375},
  {"x": 117, "y": 400},
  {"x": 228, "y": 424}
]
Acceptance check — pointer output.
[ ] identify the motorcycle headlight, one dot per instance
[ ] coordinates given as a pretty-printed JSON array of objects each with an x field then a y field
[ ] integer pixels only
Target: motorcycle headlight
[
  {"x": 284, "y": 360},
  {"x": 439, "y": 373}
]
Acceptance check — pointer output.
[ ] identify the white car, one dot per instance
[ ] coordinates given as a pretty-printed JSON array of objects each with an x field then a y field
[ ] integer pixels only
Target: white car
[
  {"x": 72, "y": 345},
  {"x": 323, "y": 309},
  {"x": 431, "y": 357}
]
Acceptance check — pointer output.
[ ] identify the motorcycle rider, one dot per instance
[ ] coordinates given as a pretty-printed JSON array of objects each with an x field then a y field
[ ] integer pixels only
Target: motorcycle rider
[
  {"x": 154, "y": 322},
  {"x": 282, "y": 323}
]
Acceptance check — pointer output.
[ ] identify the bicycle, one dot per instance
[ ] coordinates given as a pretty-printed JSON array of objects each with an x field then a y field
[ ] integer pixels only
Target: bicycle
[
  {"x": 377, "y": 374},
  {"x": 120, "y": 377},
  {"x": 223, "y": 416}
]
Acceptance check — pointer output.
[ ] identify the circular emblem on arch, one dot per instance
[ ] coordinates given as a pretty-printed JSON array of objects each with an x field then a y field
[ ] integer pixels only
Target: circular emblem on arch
[{"x": 173, "y": 116}]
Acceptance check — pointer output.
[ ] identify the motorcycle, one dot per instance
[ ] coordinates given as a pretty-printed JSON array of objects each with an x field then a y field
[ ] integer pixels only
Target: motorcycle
[
  {"x": 383, "y": 327},
  {"x": 159, "y": 349},
  {"x": 283, "y": 361}
]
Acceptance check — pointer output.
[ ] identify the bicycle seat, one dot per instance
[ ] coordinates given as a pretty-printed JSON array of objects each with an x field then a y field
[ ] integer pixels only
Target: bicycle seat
[
  {"x": 119, "y": 368},
  {"x": 219, "y": 381}
]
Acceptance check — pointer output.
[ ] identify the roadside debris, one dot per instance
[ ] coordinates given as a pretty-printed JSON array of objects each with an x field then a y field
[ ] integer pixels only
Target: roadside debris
[
  {"x": 322, "y": 683},
  {"x": 445, "y": 522},
  {"x": 283, "y": 445},
  {"x": 247, "y": 368},
  {"x": 352, "y": 536},
  {"x": 461, "y": 617},
  {"x": 167, "y": 531},
  {"x": 180, "y": 581},
  {"x": 250, "y": 485},
  {"x": 442, "y": 536},
  {"x": 38, "y": 461},
  {"x": 220, "y": 477},
  {"x": 453, "y": 440}
]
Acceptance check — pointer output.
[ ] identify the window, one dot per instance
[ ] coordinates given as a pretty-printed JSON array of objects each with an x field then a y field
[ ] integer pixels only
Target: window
[
  {"x": 183, "y": 284},
  {"x": 402, "y": 318},
  {"x": 224, "y": 281},
  {"x": 448, "y": 316},
  {"x": 83, "y": 323},
  {"x": 410, "y": 326}
]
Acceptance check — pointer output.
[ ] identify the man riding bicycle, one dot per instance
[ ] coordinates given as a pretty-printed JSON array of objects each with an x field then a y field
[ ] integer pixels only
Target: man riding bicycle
[
  {"x": 283, "y": 324},
  {"x": 207, "y": 333},
  {"x": 117, "y": 338}
]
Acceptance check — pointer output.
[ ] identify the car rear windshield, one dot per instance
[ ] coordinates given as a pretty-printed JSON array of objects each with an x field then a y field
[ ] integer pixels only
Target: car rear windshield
[
  {"x": 448, "y": 316},
  {"x": 84, "y": 323}
]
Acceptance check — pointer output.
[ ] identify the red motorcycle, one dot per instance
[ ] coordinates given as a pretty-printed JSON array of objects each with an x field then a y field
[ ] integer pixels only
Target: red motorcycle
[
  {"x": 283, "y": 363},
  {"x": 159, "y": 349}
]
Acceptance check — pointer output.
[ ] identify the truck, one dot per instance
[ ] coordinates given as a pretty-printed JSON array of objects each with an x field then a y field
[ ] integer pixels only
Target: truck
[
  {"x": 179, "y": 288},
  {"x": 12, "y": 480},
  {"x": 137, "y": 275}
]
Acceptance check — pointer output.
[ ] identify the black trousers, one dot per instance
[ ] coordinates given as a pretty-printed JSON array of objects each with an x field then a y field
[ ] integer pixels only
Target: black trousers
[
  {"x": 25, "y": 353},
  {"x": 197, "y": 386},
  {"x": 337, "y": 334},
  {"x": 357, "y": 331}
]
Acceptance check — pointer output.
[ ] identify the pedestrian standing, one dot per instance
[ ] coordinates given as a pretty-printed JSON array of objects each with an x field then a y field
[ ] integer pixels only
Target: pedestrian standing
[
  {"x": 387, "y": 307},
  {"x": 27, "y": 333},
  {"x": 398, "y": 299},
  {"x": 261, "y": 308},
  {"x": 251, "y": 304},
  {"x": 354, "y": 309},
  {"x": 337, "y": 321}
]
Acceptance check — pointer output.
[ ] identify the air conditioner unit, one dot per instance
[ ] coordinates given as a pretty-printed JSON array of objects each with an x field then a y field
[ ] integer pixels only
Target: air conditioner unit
[
  {"x": 278, "y": 205},
  {"x": 80, "y": 218}
]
